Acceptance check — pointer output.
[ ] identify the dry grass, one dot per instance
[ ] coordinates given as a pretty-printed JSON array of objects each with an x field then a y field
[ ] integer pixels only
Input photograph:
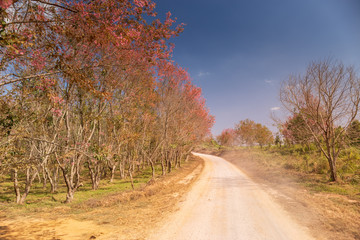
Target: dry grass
[
  {"x": 126, "y": 215},
  {"x": 328, "y": 212}
]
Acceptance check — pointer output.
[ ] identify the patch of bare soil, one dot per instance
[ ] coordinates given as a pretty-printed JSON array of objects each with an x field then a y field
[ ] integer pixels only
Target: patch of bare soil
[
  {"x": 130, "y": 215},
  {"x": 328, "y": 216}
]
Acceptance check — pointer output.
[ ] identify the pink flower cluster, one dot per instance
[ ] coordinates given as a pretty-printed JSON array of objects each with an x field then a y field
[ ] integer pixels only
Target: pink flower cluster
[
  {"x": 140, "y": 3},
  {"x": 38, "y": 61},
  {"x": 56, "y": 112},
  {"x": 4, "y": 4},
  {"x": 57, "y": 100}
]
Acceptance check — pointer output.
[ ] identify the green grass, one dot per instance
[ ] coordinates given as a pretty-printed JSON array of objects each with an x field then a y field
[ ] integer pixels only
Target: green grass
[
  {"x": 42, "y": 198},
  {"x": 318, "y": 187}
]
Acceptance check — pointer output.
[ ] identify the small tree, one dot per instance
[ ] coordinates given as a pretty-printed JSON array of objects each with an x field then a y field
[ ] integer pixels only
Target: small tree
[
  {"x": 227, "y": 137},
  {"x": 245, "y": 130},
  {"x": 277, "y": 140},
  {"x": 296, "y": 131},
  {"x": 263, "y": 135},
  {"x": 250, "y": 133},
  {"x": 326, "y": 97}
]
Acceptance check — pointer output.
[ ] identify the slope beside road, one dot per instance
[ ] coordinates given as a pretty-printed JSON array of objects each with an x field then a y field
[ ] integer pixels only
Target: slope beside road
[{"x": 225, "y": 204}]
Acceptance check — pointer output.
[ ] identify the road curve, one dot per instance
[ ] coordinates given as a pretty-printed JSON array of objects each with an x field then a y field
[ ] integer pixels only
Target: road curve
[{"x": 224, "y": 204}]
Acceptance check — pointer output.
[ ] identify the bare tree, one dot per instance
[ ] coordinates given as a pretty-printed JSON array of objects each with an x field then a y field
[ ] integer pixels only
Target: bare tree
[{"x": 327, "y": 99}]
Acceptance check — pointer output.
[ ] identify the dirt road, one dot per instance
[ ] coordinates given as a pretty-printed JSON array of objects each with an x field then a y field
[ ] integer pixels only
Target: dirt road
[{"x": 225, "y": 204}]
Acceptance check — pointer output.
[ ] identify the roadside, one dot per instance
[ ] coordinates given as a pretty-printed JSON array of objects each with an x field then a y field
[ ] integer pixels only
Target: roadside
[
  {"x": 128, "y": 215},
  {"x": 327, "y": 215}
]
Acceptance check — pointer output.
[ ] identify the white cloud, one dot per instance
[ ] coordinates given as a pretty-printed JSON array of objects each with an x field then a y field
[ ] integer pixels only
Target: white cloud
[
  {"x": 275, "y": 108},
  {"x": 201, "y": 74},
  {"x": 268, "y": 81}
]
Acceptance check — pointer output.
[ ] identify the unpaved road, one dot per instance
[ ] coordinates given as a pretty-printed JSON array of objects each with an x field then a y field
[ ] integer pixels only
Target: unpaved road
[{"x": 225, "y": 204}]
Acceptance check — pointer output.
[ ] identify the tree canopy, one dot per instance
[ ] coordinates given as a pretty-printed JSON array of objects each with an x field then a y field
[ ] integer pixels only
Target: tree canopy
[{"x": 92, "y": 84}]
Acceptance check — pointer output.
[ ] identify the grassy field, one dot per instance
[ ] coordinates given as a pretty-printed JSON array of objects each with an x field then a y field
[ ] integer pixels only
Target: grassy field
[
  {"x": 39, "y": 197},
  {"x": 312, "y": 169},
  {"x": 114, "y": 211}
]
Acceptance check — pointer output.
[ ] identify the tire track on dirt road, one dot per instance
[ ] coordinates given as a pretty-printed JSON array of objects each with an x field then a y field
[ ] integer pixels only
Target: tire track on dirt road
[{"x": 224, "y": 204}]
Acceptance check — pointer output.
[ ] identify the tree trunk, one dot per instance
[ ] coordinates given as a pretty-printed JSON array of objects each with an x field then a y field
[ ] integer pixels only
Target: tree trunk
[
  {"x": 152, "y": 168},
  {"x": 122, "y": 169},
  {"x": 180, "y": 158},
  {"x": 70, "y": 186},
  {"x": 163, "y": 169},
  {"x": 20, "y": 199},
  {"x": 69, "y": 195},
  {"x": 16, "y": 186},
  {"x": 29, "y": 181},
  {"x": 138, "y": 167},
  {"x": 112, "y": 169},
  {"x": 131, "y": 176},
  {"x": 333, "y": 174},
  {"x": 44, "y": 177},
  {"x": 176, "y": 160},
  {"x": 39, "y": 178},
  {"x": 53, "y": 178},
  {"x": 95, "y": 174},
  {"x": 103, "y": 172},
  {"x": 169, "y": 165}
]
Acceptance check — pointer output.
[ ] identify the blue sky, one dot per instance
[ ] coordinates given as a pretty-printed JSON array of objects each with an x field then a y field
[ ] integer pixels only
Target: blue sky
[{"x": 239, "y": 51}]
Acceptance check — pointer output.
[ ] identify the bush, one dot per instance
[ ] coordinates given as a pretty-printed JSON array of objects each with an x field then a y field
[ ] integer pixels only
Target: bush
[
  {"x": 320, "y": 166},
  {"x": 349, "y": 161}
]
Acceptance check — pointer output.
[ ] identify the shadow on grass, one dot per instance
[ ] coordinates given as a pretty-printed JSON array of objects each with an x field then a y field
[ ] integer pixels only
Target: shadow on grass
[
  {"x": 4, "y": 198},
  {"x": 42, "y": 197}
]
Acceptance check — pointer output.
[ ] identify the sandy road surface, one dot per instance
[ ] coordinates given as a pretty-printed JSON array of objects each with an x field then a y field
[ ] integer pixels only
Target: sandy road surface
[{"x": 225, "y": 204}]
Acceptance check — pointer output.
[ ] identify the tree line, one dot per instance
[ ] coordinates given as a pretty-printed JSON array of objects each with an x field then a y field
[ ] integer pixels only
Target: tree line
[
  {"x": 92, "y": 86},
  {"x": 246, "y": 133}
]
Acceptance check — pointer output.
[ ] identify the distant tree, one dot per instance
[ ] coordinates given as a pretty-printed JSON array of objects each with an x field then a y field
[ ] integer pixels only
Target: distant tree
[
  {"x": 245, "y": 131},
  {"x": 295, "y": 130},
  {"x": 326, "y": 97},
  {"x": 250, "y": 133},
  {"x": 263, "y": 135},
  {"x": 277, "y": 140},
  {"x": 227, "y": 137}
]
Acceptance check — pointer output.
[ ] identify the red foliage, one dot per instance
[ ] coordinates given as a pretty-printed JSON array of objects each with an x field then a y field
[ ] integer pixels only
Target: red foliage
[
  {"x": 227, "y": 137},
  {"x": 4, "y": 4}
]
